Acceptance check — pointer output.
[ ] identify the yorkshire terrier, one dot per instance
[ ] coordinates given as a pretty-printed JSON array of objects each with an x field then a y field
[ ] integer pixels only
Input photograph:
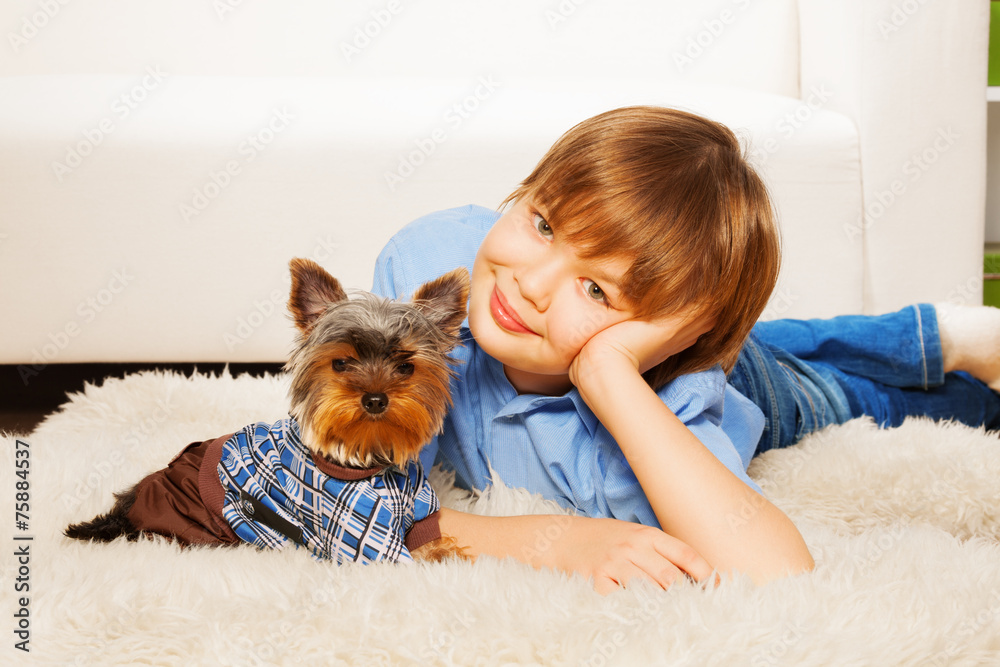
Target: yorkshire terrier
[{"x": 341, "y": 477}]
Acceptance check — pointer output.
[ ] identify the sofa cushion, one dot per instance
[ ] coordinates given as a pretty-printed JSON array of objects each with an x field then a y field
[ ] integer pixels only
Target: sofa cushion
[{"x": 165, "y": 218}]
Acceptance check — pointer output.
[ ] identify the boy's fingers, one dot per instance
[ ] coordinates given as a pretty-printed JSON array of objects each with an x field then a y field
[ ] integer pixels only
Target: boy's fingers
[
  {"x": 660, "y": 571},
  {"x": 625, "y": 574},
  {"x": 662, "y": 574},
  {"x": 605, "y": 585},
  {"x": 684, "y": 557}
]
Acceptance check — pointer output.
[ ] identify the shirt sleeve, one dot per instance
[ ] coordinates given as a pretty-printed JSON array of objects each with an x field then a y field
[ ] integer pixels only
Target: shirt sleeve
[
  {"x": 423, "y": 531},
  {"x": 698, "y": 401},
  {"x": 426, "y": 501},
  {"x": 429, "y": 247},
  {"x": 387, "y": 268},
  {"x": 425, "y": 249},
  {"x": 702, "y": 402},
  {"x": 390, "y": 282},
  {"x": 426, "y": 512}
]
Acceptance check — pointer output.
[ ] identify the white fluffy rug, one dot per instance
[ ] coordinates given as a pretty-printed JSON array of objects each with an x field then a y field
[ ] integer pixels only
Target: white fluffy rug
[{"x": 903, "y": 525}]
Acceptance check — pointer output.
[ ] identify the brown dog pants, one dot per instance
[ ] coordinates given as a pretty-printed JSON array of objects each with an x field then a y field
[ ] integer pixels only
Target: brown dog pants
[{"x": 184, "y": 500}]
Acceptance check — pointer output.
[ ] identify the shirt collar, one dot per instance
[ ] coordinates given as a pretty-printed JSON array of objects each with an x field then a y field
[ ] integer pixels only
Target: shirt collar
[
  {"x": 517, "y": 404},
  {"x": 331, "y": 469}
]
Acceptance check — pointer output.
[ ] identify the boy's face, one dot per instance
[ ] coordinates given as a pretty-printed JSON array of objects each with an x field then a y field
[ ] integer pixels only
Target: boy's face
[{"x": 535, "y": 302}]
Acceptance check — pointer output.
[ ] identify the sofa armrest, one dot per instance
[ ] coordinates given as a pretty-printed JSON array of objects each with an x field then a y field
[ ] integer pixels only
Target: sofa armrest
[{"x": 911, "y": 74}]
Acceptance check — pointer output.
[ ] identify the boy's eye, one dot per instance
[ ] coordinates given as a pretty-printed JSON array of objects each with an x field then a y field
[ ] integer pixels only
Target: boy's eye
[
  {"x": 594, "y": 291},
  {"x": 543, "y": 227}
]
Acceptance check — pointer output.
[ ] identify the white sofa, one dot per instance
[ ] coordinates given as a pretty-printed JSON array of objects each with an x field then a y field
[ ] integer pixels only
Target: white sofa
[{"x": 160, "y": 161}]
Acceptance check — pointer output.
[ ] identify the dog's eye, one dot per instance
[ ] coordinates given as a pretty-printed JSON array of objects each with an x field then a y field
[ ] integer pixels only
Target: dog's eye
[
  {"x": 405, "y": 368},
  {"x": 340, "y": 365}
]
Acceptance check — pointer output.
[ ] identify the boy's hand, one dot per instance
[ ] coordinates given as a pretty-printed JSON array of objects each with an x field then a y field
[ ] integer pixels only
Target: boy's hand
[
  {"x": 641, "y": 343},
  {"x": 610, "y": 552},
  {"x": 614, "y": 553}
]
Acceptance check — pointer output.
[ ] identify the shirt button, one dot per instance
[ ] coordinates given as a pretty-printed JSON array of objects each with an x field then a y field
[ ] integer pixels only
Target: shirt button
[{"x": 248, "y": 507}]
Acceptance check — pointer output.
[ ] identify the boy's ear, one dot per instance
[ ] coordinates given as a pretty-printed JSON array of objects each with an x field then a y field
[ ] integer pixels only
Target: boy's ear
[
  {"x": 313, "y": 291},
  {"x": 444, "y": 300}
]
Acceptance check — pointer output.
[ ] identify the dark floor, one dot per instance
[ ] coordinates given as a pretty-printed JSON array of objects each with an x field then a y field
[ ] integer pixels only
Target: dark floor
[{"x": 26, "y": 397}]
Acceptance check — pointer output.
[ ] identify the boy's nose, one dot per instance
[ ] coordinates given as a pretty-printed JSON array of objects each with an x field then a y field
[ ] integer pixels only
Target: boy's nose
[{"x": 536, "y": 281}]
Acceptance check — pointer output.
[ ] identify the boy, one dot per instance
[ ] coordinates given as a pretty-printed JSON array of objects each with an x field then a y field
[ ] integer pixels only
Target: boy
[{"x": 608, "y": 303}]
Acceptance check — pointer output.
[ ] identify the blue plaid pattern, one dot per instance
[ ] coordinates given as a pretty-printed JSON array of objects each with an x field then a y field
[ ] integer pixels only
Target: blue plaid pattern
[{"x": 363, "y": 520}]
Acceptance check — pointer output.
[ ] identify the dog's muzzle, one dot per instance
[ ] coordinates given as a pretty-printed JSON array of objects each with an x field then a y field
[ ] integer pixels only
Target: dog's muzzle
[{"x": 374, "y": 403}]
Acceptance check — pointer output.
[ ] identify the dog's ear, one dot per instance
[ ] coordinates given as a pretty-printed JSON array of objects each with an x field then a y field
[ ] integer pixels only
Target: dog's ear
[
  {"x": 445, "y": 299},
  {"x": 313, "y": 291}
]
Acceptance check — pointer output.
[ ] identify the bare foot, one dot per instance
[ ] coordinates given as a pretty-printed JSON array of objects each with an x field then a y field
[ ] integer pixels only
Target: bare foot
[{"x": 970, "y": 341}]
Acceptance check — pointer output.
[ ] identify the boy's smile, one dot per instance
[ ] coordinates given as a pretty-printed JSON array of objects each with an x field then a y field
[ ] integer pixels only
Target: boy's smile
[
  {"x": 535, "y": 302},
  {"x": 505, "y": 316}
]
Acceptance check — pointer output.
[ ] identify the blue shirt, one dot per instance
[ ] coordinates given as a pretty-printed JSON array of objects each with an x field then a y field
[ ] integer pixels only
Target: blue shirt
[
  {"x": 277, "y": 494},
  {"x": 552, "y": 445}
]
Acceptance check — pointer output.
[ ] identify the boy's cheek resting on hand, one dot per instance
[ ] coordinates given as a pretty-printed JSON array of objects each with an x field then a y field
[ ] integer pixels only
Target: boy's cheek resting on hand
[{"x": 643, "y": 343}]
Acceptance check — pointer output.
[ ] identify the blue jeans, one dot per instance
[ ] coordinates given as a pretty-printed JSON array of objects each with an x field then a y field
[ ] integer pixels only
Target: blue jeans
[{"x": 807, "y": 374}]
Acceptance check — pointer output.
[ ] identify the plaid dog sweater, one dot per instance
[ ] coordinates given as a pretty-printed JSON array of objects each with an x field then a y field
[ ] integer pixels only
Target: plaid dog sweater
[
  {"x": 263, "y": 486},
  {"x": 276, "y": 493}
]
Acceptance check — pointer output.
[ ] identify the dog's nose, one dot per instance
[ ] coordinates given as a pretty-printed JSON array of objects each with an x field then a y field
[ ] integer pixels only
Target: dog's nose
[{"x": 375, "y": 404}]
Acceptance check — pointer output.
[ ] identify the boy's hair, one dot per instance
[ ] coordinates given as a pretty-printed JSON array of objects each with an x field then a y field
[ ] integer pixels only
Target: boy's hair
[{"x": 671, "y": 193}]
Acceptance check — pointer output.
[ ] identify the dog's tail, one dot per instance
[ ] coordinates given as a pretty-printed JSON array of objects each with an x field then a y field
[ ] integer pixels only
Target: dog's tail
[{"x": 110, "y": 526}]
